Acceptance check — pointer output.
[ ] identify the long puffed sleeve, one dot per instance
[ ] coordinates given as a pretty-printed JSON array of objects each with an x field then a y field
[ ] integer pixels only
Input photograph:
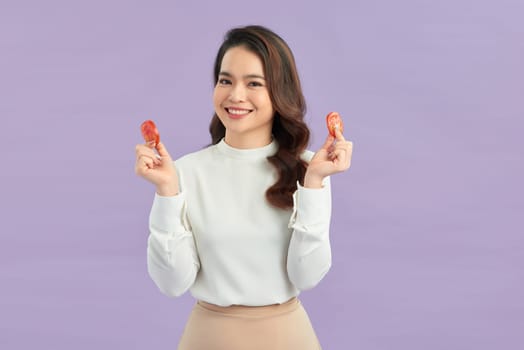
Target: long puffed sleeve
[
  {"x": 172, "y": 258},
  {"x": 309, "y": 254}
]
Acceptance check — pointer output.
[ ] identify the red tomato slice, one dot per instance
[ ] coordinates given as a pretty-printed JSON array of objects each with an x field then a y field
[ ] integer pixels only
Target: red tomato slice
[
  {"x": 150, "y": 132},
  {"x": 333, "y": 122}
]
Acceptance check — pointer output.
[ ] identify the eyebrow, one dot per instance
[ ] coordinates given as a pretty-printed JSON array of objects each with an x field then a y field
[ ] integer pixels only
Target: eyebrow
[{"x": 227, "y": 74}]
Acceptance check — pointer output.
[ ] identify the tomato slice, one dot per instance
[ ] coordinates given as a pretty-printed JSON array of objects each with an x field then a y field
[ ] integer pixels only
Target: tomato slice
[
  {"x": 334, "y": 121},
  {"x": 150, "y": 132}
]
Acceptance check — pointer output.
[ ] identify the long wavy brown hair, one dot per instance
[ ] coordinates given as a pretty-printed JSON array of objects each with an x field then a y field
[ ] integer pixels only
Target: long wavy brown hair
[{"x": 289, "y": 129}]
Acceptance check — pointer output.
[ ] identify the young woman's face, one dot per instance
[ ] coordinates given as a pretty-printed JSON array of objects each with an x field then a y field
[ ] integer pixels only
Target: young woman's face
[{"x": 241, "y": 98}]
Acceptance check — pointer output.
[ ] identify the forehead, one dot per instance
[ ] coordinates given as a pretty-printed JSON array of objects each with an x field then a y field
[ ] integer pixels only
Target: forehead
[{"x": 240, "y": 61}]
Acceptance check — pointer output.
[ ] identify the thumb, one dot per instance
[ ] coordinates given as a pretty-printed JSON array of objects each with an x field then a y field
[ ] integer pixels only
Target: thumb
[{"x": 162, "y": 151}]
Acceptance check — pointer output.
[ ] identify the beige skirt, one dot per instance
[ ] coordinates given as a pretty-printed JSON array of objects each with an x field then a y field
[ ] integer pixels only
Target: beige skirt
[{"x": 274, "y": 327}]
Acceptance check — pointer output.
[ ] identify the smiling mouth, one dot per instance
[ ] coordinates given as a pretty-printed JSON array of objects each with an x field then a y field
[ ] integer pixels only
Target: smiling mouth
[{"x": 238, "y": 112}]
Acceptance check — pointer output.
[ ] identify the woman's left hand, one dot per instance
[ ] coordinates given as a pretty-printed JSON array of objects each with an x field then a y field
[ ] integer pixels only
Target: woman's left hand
[{"x": 334, "y": 157}]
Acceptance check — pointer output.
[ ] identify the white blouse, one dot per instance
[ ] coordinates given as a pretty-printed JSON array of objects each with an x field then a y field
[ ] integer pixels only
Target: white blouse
[{"x": 222, "y": 240}]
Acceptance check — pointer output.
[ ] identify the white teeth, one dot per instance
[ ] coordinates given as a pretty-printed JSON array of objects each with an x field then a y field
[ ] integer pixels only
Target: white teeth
[{"x": 237, "y": 111}]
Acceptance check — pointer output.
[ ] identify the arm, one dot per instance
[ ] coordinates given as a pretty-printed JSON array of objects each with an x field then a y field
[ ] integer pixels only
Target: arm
[
  {"x": 309, "y": 254},
  {"x": 172, "y": 258}
]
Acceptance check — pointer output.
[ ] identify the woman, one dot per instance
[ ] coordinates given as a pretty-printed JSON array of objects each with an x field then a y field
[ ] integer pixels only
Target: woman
[{"x": 244, "y": 223}]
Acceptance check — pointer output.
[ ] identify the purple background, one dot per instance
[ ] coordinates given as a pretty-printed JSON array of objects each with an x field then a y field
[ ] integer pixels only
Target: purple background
[{"x": 426, "y": 232}]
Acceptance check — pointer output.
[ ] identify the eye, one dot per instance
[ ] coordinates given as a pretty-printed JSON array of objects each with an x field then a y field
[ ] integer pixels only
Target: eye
[
  {"x": 224, "y": 81},
  {"x": 254, "y": 84}
]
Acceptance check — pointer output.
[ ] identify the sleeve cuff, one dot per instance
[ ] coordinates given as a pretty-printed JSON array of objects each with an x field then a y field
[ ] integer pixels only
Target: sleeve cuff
[
  {"x": 167, "y": 213},
  {"x": 312, "y": 208}
]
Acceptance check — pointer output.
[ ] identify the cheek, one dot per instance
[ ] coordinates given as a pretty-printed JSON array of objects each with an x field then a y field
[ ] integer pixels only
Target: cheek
[
  {"x": 264, "y": 102},
  {"x": 215, "y": 95},
  {"x": 218, "y": 99}
]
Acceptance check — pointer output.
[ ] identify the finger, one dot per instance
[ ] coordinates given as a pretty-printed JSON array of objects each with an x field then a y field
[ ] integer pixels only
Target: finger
[
  {"x": 143, "y": 165},
  {"x": 150, "y": 157},
  {"x": 138, "y": 148},
  {"x": 147, "y": 149},
  {"x": 144, "y": 151},
  {"x": 341, "y": 159},
  {"x": 350, "y": 148},
  {"x": 347, "y": 147},
  {"x": 141, "y": 168},
  {"x": 150, "y": 160},
  {"x": 162, "y": 151},
  {"x": 339, "y": 136},
  {"x": 328, "y": 142},
  {"x": 147, "y": 162}
]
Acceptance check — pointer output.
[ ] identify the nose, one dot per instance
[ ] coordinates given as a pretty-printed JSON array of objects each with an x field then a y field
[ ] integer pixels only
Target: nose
[{"x": 237, "y": 93}]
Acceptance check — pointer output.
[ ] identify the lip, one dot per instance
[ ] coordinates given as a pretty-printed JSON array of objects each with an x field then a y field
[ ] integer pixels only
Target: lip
[{"x": 238, "y": 116}]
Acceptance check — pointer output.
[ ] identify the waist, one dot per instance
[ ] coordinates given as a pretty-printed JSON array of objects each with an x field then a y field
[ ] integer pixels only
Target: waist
[{"x": 255, "y": 311}]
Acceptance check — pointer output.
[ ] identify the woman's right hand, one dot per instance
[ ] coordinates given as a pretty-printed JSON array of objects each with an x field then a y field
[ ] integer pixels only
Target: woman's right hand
[{"x": 157, "y": 169}]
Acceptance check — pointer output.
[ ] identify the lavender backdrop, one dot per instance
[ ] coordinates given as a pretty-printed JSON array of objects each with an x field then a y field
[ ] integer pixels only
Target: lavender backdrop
[{"x": 426, "y": 232}]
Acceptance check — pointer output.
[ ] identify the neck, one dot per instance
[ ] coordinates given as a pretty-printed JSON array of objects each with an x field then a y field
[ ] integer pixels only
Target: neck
[{"x": 244, "y": 141}]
